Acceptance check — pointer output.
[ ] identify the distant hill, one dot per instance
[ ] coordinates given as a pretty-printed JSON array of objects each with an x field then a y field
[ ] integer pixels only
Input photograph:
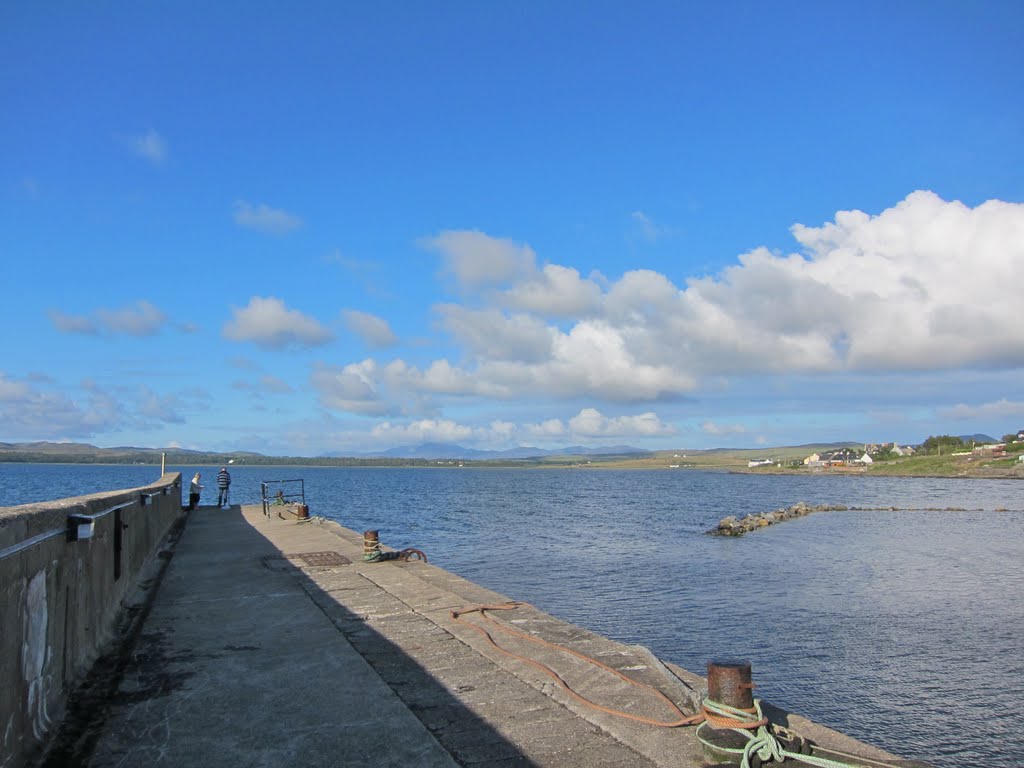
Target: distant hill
[
  {"x": 86, "y": 453},
  {"x": 410, "y": 455},
  {"x": 984, "y": 439}
]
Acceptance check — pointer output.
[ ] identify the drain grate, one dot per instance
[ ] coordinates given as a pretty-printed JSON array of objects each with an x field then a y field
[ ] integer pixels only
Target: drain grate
[
  {"x": 321, "y": 558},
  {"x": 308, "y": 560}
]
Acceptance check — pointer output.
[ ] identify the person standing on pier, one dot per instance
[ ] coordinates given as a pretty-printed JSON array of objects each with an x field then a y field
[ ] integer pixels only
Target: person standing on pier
[
  {"x": 194, "y": 490},
  {"x": 223, "y": 484}
]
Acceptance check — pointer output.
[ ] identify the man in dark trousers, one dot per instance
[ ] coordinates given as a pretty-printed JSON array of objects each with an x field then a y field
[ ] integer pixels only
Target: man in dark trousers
[{"x": 223, "y": 483}]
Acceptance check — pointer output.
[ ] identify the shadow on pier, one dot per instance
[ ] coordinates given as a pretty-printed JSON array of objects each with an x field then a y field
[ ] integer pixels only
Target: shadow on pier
[{"x": 244, "y": 660}]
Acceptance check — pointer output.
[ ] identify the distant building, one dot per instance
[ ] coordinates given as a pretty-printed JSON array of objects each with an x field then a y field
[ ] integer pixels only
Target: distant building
[{"x": 760, "y": 463}]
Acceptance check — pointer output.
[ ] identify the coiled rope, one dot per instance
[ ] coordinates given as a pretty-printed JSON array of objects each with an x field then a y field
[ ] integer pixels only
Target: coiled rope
[{"x": 761, "y": 742}]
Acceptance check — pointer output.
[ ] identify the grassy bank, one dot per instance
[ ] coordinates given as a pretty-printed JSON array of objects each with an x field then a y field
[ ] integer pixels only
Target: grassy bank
[{"x": 784, "y": 458}]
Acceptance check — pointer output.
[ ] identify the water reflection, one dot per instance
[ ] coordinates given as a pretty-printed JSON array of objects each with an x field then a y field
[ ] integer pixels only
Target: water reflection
[{"x": 897, "y": 627}]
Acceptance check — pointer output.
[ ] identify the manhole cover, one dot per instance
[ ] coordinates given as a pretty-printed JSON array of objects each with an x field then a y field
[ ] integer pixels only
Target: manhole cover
[{"x": 321, "y": 558}]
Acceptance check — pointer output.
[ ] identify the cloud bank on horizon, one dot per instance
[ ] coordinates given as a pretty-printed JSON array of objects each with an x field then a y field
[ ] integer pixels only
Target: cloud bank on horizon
[
  {"x": 927, "y": 286},
  {"x": 332, "y": 230}
]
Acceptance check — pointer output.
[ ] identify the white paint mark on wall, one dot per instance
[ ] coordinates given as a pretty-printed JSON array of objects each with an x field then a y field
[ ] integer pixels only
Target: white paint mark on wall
[
  {"x": 33, "y": 653},
  {"x": 8, "y": 750}
]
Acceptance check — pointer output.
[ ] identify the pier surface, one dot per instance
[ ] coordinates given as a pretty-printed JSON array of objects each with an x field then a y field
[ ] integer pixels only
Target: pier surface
[{"x": 260, "y": 650}]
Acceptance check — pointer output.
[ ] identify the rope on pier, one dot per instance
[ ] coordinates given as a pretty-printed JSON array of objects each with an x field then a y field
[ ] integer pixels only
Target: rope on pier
[
  {"x": 680, "y": 719},
  {"x": 409, "y": 553},
  {"x": 762, "y": 744}
]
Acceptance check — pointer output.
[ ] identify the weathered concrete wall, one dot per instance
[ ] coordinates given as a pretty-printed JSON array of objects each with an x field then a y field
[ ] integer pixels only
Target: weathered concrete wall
[{"x": 59, "y": 599}]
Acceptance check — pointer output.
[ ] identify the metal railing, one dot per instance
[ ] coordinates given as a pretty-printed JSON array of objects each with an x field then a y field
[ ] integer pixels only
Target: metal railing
[
  {"x": 80, "y": 525},
  {"x": 287, "y": 493}
]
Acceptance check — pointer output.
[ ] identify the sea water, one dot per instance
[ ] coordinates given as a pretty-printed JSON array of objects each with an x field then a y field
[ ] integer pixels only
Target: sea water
[{"x": 900, "y": 627}]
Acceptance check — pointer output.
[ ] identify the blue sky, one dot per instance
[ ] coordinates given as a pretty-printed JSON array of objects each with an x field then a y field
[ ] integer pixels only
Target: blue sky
[{"x": 340, "y": 227}]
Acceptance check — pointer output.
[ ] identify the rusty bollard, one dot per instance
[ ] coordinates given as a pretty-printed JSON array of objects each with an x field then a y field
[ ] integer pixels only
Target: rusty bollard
[
  {"x": 371, "y": 546},
  {"x": 302, "y": 512},
  {"x": 728, "y": 683}
]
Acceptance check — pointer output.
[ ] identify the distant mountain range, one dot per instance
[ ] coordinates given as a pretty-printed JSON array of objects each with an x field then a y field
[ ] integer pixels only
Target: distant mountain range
[
  {"x": 42, "y": 451},
  {"x": 84, "y": 452}
]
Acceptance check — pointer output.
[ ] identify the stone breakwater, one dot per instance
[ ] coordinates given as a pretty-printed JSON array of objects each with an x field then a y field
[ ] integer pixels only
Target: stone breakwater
[{"x": 733, "y": 526}]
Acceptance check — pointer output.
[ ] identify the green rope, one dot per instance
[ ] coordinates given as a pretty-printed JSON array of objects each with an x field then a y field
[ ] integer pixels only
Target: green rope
[{"x": 762, "y": 743}]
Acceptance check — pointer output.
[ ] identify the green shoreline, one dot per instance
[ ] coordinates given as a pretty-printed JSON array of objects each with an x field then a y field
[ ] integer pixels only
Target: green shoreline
[{"x": 787, "y": 461}]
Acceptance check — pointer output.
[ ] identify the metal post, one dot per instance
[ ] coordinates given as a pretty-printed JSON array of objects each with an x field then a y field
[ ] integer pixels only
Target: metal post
[
  {"x": 729, "y": 683},
  {"x": 371, "y": 545}
]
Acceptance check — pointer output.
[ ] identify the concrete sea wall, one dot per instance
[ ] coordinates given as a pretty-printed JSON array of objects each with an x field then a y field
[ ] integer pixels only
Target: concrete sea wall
[{"x": 66, "y": 568}]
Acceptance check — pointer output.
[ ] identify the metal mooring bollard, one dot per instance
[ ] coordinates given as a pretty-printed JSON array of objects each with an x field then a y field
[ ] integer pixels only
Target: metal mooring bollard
[
  {"x": 371, "y": 545},
  {"x": 302, "y": 511},
  {"x": 729, "y": 684}
]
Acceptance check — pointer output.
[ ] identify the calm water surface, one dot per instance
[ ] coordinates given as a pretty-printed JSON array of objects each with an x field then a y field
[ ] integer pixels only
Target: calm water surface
[{"x": 902, "y": 628}]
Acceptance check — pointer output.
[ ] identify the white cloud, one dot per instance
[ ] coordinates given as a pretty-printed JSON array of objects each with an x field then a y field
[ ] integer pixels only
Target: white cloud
[
  {"x": 12, "y": 390},
  {"x": 503, "y": 431},
  {"x": 139, "y": 319},
  {"x": 150, "y": 145},
  {"x": 274, "y": 384},
  {"x": 555, "y": 291},
  {"x": 72, "y": 323},
  {"x": 263, "y": 218},
  {"x": 550, "y": 428},
  {"x": 591, "y": 423},
  {"x": 936, "y": 277},
  {"x": 1000, "y": 409},
  {"x": 372, "y": 329},
  {"x": 163, "y": 408},
  {"x": 491, "y": 334},
  {"x": 39, "y": 414},
  {"x": 597, "y": 358},
  {"x": 269, "y": 323},
  {"x": 645, "y": 226},
  {"x": 422, "y": 431},
  {"x": 926, "y": 285},
  {"x": 353, "y": 388},
  {"x": 478, "y": 260},
  {"x": 718, "y": 430}
]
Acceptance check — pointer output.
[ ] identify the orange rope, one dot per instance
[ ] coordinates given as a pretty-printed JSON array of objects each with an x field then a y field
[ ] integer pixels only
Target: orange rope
[
  {"x": 721, "y": 721},
  {"x": 482, "y": 610}
]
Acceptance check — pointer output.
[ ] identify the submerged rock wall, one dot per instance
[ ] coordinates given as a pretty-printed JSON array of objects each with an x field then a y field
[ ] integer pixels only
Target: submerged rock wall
[{"x": 733, "y": 526}]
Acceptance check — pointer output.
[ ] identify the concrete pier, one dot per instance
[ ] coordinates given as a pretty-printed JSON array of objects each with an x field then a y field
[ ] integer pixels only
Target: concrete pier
[{"x": 269, "y": 642}]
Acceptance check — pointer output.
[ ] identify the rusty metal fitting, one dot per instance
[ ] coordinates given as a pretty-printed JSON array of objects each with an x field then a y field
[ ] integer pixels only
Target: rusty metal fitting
[
  {"x": 729, "y": 683},
  {"x": 371, "y": 545}
]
